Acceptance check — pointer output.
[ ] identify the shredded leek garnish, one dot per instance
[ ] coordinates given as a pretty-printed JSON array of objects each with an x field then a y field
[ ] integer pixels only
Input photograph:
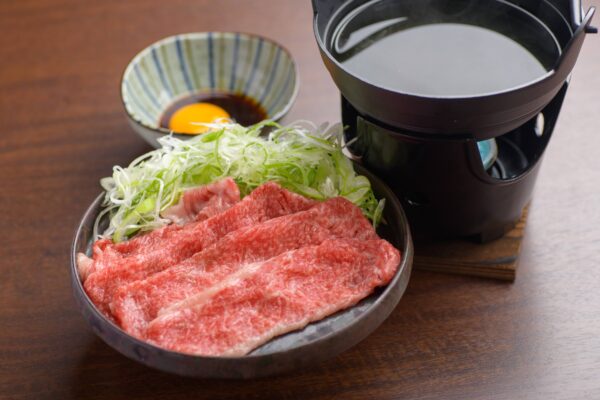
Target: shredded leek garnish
[{"x": 302, "y": 158}]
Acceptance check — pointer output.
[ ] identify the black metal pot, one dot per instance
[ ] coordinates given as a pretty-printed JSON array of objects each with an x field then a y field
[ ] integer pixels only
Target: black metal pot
[{"x": 481, "y": 117}]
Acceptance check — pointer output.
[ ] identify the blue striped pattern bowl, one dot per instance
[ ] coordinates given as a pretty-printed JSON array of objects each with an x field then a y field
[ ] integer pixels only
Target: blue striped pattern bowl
[{"x": 206, "y": 62}]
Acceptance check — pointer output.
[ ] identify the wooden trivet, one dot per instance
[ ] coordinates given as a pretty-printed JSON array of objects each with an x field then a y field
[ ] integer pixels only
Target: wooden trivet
[{"x": 497, "y": 259}]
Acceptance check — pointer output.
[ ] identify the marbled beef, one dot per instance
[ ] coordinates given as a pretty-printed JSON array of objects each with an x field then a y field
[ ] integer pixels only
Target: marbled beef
[
  {"x": 265, "y": 202},
  {"x": 136, "y": 304},
  {"x": 273, "y": 297},
  {"x": 195, "y": 205}
]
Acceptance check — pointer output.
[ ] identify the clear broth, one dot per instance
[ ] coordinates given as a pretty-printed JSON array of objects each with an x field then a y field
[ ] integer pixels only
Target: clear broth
[{"x": 440, "y": 59}]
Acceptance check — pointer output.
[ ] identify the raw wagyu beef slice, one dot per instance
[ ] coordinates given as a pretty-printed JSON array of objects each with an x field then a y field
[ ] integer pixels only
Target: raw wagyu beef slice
[
  {"x": 265, "y": 202},
  {"x": 276, "y": 296},
  {"x": 136, "y": 304},
  {"x": 205, "y": 200}
]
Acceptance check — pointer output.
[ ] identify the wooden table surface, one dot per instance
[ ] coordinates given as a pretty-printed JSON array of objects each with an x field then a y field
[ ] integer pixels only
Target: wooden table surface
[{"x": 62, "y": 128}]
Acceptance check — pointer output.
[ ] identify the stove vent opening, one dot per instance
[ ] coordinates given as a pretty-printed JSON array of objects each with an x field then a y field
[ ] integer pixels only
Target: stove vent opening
[{"x": 510, "y": 155}]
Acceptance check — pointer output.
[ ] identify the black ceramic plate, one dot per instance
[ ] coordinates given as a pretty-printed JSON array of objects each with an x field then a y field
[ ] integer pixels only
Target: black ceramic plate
[{"x": 317, "y": 342}]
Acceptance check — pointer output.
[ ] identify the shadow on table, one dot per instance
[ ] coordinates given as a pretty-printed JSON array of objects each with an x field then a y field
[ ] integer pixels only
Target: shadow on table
[{"x": 102, "y": 373}]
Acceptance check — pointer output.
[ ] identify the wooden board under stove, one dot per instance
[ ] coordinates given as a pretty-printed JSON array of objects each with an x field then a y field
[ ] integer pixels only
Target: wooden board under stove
[{"x": 497, "y": 259}]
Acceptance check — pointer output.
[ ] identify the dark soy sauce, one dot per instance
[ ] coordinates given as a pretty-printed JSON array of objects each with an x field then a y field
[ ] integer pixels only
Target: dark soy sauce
[
  {"x": 243, "y": 110},
  {"x": 440, "y": 59}
]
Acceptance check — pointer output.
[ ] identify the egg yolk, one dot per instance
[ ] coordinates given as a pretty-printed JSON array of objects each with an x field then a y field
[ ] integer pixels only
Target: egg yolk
[{"x": 188, "y": 119}]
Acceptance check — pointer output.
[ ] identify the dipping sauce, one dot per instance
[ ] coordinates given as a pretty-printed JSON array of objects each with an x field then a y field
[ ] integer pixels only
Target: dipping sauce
[{"x": 187, "y": 114}]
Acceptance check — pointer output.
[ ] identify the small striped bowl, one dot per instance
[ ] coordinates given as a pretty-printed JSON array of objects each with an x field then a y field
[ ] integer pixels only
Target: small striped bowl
[{"x": 192, "y": 63}]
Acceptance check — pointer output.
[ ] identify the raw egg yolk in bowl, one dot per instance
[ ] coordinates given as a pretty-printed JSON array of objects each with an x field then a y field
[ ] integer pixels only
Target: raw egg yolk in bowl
[{"x": 189, "y": 118}]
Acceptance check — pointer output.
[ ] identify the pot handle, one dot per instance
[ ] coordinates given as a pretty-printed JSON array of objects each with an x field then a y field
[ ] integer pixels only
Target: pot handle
[
  {"x": 566, "y": 62},
  {"x": 577, "y": 19}
]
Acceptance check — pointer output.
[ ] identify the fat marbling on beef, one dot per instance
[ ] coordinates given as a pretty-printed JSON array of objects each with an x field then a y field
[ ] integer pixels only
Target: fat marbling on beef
[
  {"x": 196, "y": 204},
  {"x": 136, "y": 304},
  {"x": 273, "y": 297},
  {"x": 203, "y": 202},
  {"x": 265, "y": 202}
]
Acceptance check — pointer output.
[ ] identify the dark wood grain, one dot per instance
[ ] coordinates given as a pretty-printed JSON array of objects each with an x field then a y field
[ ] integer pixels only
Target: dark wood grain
[
  {"x": 451, "y": 337},
  {"x": 497, "y": 259}
]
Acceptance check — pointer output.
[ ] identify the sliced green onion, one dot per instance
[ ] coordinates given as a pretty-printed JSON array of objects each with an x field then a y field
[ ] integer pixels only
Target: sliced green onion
[{"x": 300, "y": 157}]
